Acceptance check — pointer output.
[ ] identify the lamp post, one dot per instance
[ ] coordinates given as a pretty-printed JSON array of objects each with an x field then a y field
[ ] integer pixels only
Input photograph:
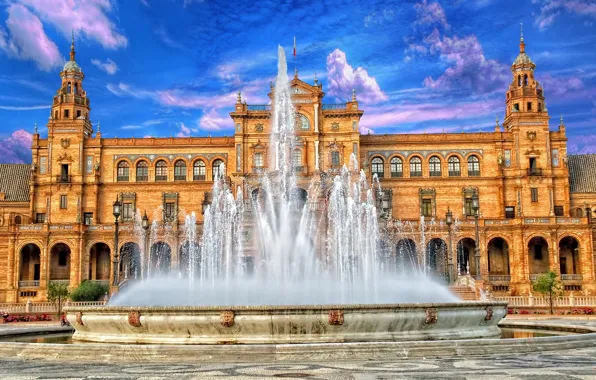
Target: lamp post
[
  {"x": 116, "y": 211},
  {"x": 145, "y": 225},
  {"x": 476, "y": 207},
  {"x": 449, "y": 222}
]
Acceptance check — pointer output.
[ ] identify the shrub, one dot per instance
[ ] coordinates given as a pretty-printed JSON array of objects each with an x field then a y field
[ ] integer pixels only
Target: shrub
[{"x": 89, "y": 291}]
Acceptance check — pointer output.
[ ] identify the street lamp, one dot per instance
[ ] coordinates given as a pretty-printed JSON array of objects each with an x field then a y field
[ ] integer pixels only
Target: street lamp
[
  {"x": 145, "y": 225},
  {"x": 205, "y": 203},
  {"x": 116, "y": 211},
  {"x": 476, "y": 207},
  {"x": 449, "y": 222}
]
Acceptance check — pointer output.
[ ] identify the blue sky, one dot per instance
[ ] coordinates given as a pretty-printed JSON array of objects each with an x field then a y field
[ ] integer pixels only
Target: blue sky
[{"x": 173, "y": 67}]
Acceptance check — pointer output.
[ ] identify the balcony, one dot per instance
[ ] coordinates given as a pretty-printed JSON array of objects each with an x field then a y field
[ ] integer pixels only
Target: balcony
[
  {"x": 29, "y": 284},
  {"x": 327, "y": 107},
  {"x": 67, "y": 282},
  {"x": 535, "y": 172},
  {"x": 63, "y": 178},
  {"x": 499, "y": 278},
  {"x": 416, "y": 174},
  {"x": 473, "y": 173},
  {"x": 161, "y": 178},
  {"x": 571, "y": 277}
]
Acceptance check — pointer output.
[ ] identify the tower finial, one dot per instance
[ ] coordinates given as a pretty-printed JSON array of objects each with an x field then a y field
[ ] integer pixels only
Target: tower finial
[
  {"x": 295, "y": 73},
  {"x": 239, "y": 97},
  {"x": 72, "y": 48},
  {"x": 353, "y": 94},
  {"x": 561, "y": 119},
  {"x": 316, "y": 79},
  {"x": 35, "y": 128},
  {"x": 522, "y": 44},
  {"x": 497, "y": 126},
  {"x": 98, "y": 129}
]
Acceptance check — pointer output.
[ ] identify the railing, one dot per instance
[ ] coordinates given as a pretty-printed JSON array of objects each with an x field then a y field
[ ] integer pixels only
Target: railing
[
  {"x": 101, "y": 282},
  {"x": 499, "y": 278},
  {"x": 455, "y": 173},
  {"x": 161, "y": 177},
  {"x": 523, "y": 301},
  {"x": 571, "y": 277},
  {"x": 473, "y": 173},
  {"x": 537, "y": 172},
  {"x": 198, "y": 177},
  {"x": 63, "y": 178},
  {"x": 42, "y": 307},
  {"x": 179, "y": 178},
  {"x": 122, "y": 178},
  {"x": 29, "y": 284},
  {"x": 434, "y": 174},
  {"x": 397, "y": 174},
  {"x": 378, "y": 174},
  {"x": 61, "y": 281},
  {"x": 534, "y": 277},
  {"x": 341, "y": 106},
  {"x": 258, "y": 107},
  {"x": 415, "y": 174},
  {"x": 142, "y": 178}
]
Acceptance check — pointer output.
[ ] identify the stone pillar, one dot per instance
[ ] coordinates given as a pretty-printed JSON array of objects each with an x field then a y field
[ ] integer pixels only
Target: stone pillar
[
  {"x": 316, "y": 154},
  {"x": 316, "y": 117},
  {"x": 12, "y": 265}
]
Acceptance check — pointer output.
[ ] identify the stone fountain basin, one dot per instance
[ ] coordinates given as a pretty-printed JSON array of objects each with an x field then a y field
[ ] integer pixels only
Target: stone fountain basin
[{"x": 286, "y": 324}]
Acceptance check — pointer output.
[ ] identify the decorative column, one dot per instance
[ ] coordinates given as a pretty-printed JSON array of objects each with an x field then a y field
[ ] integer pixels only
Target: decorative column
[
  {"x": 316, "y": 105},
  {"x": 316, "y": 154}
]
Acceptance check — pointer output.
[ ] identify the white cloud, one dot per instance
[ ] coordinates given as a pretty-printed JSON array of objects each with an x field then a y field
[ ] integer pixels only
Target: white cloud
[{"x": 108, "y": 66}]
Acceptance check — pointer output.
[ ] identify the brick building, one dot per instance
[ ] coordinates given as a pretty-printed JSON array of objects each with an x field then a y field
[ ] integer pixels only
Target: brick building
[{"x": 535, "y": 200}]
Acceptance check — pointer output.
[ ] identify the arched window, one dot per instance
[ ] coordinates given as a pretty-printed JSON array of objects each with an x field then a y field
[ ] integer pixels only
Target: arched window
[
  {"x": 161, "y": 171},
  {"x": 123, "y": 171},
  {"x": 304, "y": 123},
  {"x": 335, "y": 161},
  {"x": 198, "y": 171},
  {"x": 434, "y": 166},
  {"x": 180, "y": 171},
  {"x": 454, "y": 166},
  {"x": 142, "y": 171},
  {"x": 17, "y": 219},
  {"x": 397, "y": 167},
  {"x": 415, "y": 167},
  {"x": 473, "y": 166},
  {"x": 76, "y": 88},
  {"x": 68, "y": 88},
  {"x": 297, "y": 158},
  {"x": 579, "y": 213},
  {"x": 526, "y": 80},
  {"x": 378, "y": 167},
  {"x": 219, "y": 170},
  {"x": 258, "y": 160},
  {"x": 519, "y": 80}
]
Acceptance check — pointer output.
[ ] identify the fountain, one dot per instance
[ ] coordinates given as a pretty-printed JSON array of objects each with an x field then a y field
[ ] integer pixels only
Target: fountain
[{"x": 273, "y": 266}]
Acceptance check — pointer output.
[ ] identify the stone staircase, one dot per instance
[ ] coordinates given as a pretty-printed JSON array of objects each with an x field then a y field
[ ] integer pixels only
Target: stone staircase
[{"x": 465, "y": 293}]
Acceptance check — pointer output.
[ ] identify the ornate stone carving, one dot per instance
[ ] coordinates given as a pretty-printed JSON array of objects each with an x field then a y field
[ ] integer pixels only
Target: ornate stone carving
[
  {"x": 259, "y": 128},
  {"x": 431, "y": 316},
  {"x": 489, "y": 314},
  {"x": 227, "y": 318},
  {"x": 531, "y": 135},
  {"x": 65, "y": 143},
  {"x": 335, "y": 126},
  {"x": 79, "y": 318},
  {"x": 336, "y": 317},
  {"x": 134, "y": 318},
  {"x": 64, "y": 158}
]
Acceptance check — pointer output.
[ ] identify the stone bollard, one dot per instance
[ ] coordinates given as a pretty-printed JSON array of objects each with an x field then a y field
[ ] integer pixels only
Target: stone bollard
[
  {"x": 531, "y": 300},
  {"x": 28, "y": 307}
]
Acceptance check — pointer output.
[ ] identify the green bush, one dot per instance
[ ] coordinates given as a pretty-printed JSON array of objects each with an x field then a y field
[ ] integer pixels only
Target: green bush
[{"x": 89, "y": 291}]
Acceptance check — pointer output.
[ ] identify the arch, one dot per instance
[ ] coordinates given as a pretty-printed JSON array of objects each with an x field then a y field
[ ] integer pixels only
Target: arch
[
  {"x": 436, "y": 258},
  {"x": 304, "y": 122},
  {"x": 18, "y": 220},
  {"x": 160, "y": 258},
  {"x": 161, "y": 170},
  {"x": 454, "y": 166},
  {"x": 68, "y": 88},
  {"x": 199, "y": 170},
  {"x": 218, "y": 168},
  {"x": 434, "y": 166},
  {"x": 415, "y": 166},
  {"x": 123, "y": 171},
  {"x": 498, "y": 256},
  {"x": 538, "y": 256},
  {"x": 397, "y": 167},
  {"x": 60, "y": 262},
  {"x": 569, "y": 261},
  {"x": 30, "y": 268},
  {"x": 99, "y": 262},
  {"x": 190, "y": 259},
  {"x": 142, "y": 171},
  {"x": 519, "y": 80},
  {"x": 130, "y": 261},
  {"x": 466, "y": 249},
  {"x": 180, "y": 170},
  {"x": 297, "y": 158},
  {"x": 377, "y": 165},
  {"x": 525, "y": 79},
  {"x": 407, "y": 257},
  {"x": 473, "y": 166},
  {"x": 299, "y": 198}
]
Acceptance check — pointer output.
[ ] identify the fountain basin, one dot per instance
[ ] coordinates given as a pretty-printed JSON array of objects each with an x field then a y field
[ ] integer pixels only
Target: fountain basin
[{"x": 286, "y": 324}]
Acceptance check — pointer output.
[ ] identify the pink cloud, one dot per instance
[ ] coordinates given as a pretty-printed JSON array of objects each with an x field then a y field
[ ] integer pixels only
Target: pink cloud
[
  {"x": 430, "y": 13},
  {"x": 551, "y": 9},
  {"x": 560, "y": 86},
  {"x": 183, "y": 99},
  {"x": 582, "y": 144},
  {"x": 213, "y": 121},
  {"x": 183, "y": 130},
  {"x": 108, "y": 66},
  {"x": 28, "y": 40},
  {"x": 16, "y": 149},
  {"x": 343, "y": 78}
]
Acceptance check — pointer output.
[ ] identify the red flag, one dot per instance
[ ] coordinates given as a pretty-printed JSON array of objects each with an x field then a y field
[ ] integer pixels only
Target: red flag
[{"x": 294, "y": 46}]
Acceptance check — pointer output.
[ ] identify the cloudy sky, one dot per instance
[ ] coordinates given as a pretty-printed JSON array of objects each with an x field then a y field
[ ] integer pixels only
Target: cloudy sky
[{"x": 173, "y": 67}]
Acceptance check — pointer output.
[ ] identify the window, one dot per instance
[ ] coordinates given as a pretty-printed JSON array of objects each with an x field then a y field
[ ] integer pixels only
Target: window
[
  {"x": 529, "y": 106},
  {"x": 516, "y": 106},
  {"x": 123, "y": 171},
  {"x": 454, "y": 166},
  {"x": 539, "y": 107},
  {"x": 78, "y": 113},
  {"x": 40, "y": 217},
  {"x": 17, "y": 220},
  {"x": 434, "y": 165},
  {"x": 63, "y": 202},
  {"x": 534, "y": 192},
  {"x": 43, "y": 165},
  {"x": 219, "y": 170},
  {"x": 128, "y": 212},
  {"x": 88, "y": 218},
  {"x": 66, "y": 114},
  {"x": 62, "y": 258},
  {"x": 56, "y": 115},
  {"x": 473, "y": 166},
  {"x": 335, "y": 159},
  {"x": 304, "y": 123},
  {"x": 555, "y": 157},
  {"x": 510, "y": 212},
  {"x": 258, "y": 160},
  {"x": 538, "y": 252},
  {"x": 64, "y": 173},
  {"x": 354, "y": 125},
  {"x": 180, "y": 171},
  {"x": 507, "y": 160},
  {"x": 170, "y": 210},
  {"x": 526, "y": 80},
  {"x": 397, "y": 167},
  {"x": 415, "y": 167},
  {"x": 142, "y": 171},
  {"x": 297, "y": 158},
  {"x": 427, "y": 207},
  {"x": 198, "y": 171},
  {"x": 468, "y": 206},
  {"x": 377, "y": 167},
  {"x": 161, "y": 171},
  {"x": 89, "y": 165},
  {"x": 519, "y": 80},
  {"x": 238, "y": 127},
  {"x": 559, "y": 210}
]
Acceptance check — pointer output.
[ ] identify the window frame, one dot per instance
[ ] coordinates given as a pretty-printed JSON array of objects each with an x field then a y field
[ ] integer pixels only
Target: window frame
[
  {"x": 375, "y": 164},
  {"x": 433, "y": 163},
  {"x": 180, "y": 170},
  {"x": 473, "y": 161},
  {"x": 123, "y": 171},
  {"x": 426, "y": 207},
  {"x": 398, "y": 164},
  {"x": 63, "y": 202},
  {"x": 509, "y": 212},
  {"x": 415, "y": 167},
  {"x": 142, "y": 166},
  {"x": 161, "y": 171},
  {"x": 534, "y": 194},
  {"x": 454, "y": 166},
  {"x": 258, "y": 160},
  {"x": 216, "y": 169},
  {"x": 199, "y": 167}
]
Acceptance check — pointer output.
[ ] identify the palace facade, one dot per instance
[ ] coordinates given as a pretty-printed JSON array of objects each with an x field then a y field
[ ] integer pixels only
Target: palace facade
[{"x": 535, "y": 201}]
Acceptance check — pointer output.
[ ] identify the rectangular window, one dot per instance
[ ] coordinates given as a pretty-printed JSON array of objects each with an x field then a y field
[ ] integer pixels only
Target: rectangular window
[
  {"x": 78, "y": 113},
  {"x": 335, "y": 158},
  {"x": 88, "y": 218},
  {"x": 559, "y": 210},
  {"x": 142, "y": 172},
  {"x": 529, "y": 106},
  {"x": 238, "y": 127},
  {"x": 63, "y": 201},
  {"x": 510, "y": 212},
  {"x": 354, "y": 125},
  {"x": 534, "y": 192},
  {"x": 43, "y": 165},
  {"x": 40, "y": 217},
  {"x": 127, "y": 212},
  {"x": 427, "y": 207},
  {"x": 516, "y": 106},
  {"x": 539, "y": 107},
  {"x": 507, "y": 161},
  {"x": 468, "y": 207},
  {"x": 170, "y": 210},
  {"x": 66, "y": 114},
  {"x": 89, "y": 165},
  {"x": 555, "y": 157}
]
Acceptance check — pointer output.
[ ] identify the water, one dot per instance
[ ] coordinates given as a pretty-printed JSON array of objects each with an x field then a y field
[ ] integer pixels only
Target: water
[{"x": 277, "y": 243}]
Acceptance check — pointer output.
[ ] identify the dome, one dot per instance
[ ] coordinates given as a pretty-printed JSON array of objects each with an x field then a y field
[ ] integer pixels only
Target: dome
[
  {"x": 523, "y": 58},
  {"x": 71, "y": 66}
]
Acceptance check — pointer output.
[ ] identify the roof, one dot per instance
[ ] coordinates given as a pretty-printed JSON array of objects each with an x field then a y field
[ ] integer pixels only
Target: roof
[
  {"x": 14, "y": 182},
  {"x": 582, "y": 173},
  {"x": 71, "y": 66},
  {"x": 522, "y": 58}
]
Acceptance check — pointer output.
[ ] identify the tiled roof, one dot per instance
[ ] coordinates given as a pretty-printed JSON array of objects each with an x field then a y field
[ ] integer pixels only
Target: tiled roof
[
  {"x": 582, "y": 173},
  {"x": 14, "y": 182}
]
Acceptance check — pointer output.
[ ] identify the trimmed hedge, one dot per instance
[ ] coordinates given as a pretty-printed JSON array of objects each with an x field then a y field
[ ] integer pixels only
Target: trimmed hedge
[{"x": 89, "y": 291}]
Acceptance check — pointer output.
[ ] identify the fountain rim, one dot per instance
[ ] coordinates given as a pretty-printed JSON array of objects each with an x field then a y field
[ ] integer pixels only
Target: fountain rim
[{"x": 442, "y": 305}]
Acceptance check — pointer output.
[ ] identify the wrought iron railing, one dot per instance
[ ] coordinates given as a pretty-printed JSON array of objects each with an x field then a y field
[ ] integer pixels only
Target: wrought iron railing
[
  {"x": 122, "y": 178},
  {"x": 499, "y": 278},
  {"x": 29, "y": 284},
  {"x": 198, "y": 177},
  {"x": 63, "y": 178},
  {"x": 571, "y": 277},
  {"x": 397, "y": 174},
  {"x": 536, "y": 172},
  {"x": 455, "y": 173},
  {"x": 180, "y": 178},
  {"x": 473, "y": 173},
  {"x": 435, "y": 174}
]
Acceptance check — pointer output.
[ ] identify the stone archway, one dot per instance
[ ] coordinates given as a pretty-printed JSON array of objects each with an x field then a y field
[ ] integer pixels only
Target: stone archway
[
  {"x": 436, "y": 258},
  {"x": 130, "y": 261},
  {"x": 99, "y": 262},
  {"x": 60, "y": 262},
  {"x": 299, "y": 198},
  {"x": 466, "y": 249},
  {"x": 569, "y": 261},
  {"x": 498, "y": 257},
  {"x": 407, "y": 257},
  {"x": 190, "y": 259},
  {"x": 160, "y": 258},
  {"x": 538, "y": 255},
  {"x": 29, "y": 271}
]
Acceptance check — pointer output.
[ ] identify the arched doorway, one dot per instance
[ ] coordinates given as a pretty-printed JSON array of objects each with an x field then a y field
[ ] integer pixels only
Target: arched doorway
[
  {"x": 466, "y": 249},
  {"x": 29, "y": 271},
  {"x": 161, "y": 256},
  {"x": 299, "y": 198},
  {"x": 538, "y": 255},
  {"x": 99, "y": 262},
  {"x": 60, "y": 262},
  {"x": 405, "y": 251},
  {"x": 130, "y": 261},
  {"x": 436, "y": 258},
  {"x": 569, "y": 256},
  {"x": 498, "y": 257},
  {"x": 190, "y": 258}
]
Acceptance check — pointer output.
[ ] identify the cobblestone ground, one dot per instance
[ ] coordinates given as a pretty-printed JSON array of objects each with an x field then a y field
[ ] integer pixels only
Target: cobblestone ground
[{"x": 572, "y": 364}]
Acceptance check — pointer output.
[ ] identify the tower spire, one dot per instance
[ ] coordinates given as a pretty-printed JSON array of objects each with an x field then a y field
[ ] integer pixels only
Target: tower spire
[
  {"x": 522, "y": 44},
  {"x": 72, "y": 48}
]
